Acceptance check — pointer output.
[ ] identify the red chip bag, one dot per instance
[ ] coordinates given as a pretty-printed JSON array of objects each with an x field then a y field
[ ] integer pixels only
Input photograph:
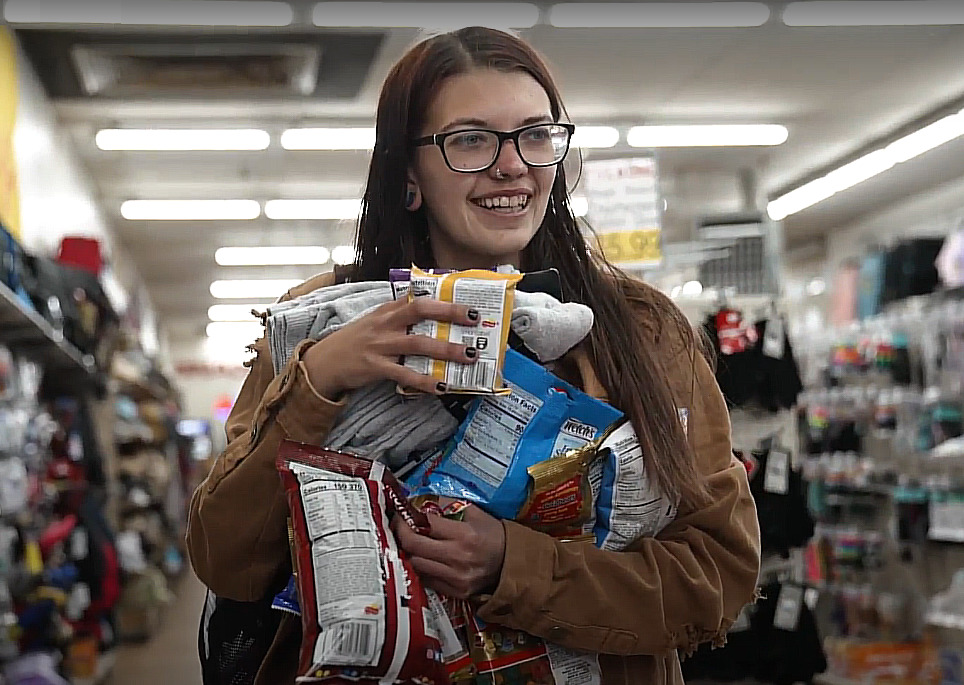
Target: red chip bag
[{"x": 365, "y": 615}]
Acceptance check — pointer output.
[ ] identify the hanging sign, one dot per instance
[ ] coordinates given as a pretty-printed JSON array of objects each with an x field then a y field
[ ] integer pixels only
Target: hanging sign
[
  {"x": 624, "y": 210},
  {"x": 9, "y": 193}
]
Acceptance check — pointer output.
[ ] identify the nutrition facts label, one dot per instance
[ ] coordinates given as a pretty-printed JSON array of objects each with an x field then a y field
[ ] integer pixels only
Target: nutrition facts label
[
  {"x": 348, "y": 575},
  {"x": 493, "y": 434}
]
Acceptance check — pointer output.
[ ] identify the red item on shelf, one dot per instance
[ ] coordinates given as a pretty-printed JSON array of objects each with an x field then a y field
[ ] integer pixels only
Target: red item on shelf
[{"x": 82, "y": 252}]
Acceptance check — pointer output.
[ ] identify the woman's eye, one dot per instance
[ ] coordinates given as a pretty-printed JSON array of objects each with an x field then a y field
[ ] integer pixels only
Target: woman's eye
[
  {"x": 468, "y": 140},
  {"x": 539, "y": 134}
]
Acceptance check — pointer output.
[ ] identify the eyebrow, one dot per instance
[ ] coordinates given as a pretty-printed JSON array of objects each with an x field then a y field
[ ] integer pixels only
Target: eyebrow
[{"x": 482, "y": 123}]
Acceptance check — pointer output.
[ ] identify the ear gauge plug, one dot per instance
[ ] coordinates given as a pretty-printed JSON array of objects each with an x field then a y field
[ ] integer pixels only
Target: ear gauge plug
[{"x": 410, "y": 199}]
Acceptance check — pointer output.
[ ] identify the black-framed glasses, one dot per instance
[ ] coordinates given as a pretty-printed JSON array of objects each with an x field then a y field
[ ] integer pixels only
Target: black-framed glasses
[{"x": 477, "y": 149}]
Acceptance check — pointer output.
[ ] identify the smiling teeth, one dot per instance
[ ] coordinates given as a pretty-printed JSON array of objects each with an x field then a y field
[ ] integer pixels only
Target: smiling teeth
[{"x": 503, "y": 201}]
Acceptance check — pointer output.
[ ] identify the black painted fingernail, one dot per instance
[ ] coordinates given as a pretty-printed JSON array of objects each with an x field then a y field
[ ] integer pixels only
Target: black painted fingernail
[
  {"x": 473, "y": 314},
  {"x": 442, "y": 387},
  {"x": 470, "y": 352}
]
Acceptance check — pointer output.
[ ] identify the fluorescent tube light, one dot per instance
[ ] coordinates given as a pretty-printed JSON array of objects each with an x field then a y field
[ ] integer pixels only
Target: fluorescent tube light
[
  {"x": 234, "y": 312},
  {"x": 595, "y": 137},
  {"x": 430, "y": 15},
  {"x": 154, "y": 13},
  {"x": 343, "y": 254},
  {"x": 866, "y": 167},
  {"x": 252, "y": 289},
  {"x": 328, "y": 139},
  {"x": 703, "y": 135},
  {"x": 874, "y": 13},
  {"x": 271, "y": 256},
  {"x": 190, "y": 210},
  {"x": 238, "y": 330},
  {"x": 182, "y": 139},
  {"x": 579, "y": 205},
  {"x": 658, "y": 14},
  {"x": 312, "y": 209}
]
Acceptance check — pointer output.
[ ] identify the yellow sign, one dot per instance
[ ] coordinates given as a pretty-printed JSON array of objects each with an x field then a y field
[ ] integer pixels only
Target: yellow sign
[
  {"x": 9, "y": 193},
  {"x": 640, "y": 247}
]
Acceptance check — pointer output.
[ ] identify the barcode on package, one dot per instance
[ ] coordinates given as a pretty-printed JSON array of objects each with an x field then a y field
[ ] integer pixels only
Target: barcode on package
[
  {"x": 479, "y": 375},
  {"x": 347, "y": 643}
]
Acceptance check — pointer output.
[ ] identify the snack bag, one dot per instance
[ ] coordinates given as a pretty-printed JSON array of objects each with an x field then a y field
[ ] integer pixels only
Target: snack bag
[
  {"x": 365, "y": 614},
  {"x": 492, "y": 294},
  {"x": 505, "y": 656},
  {"x": 486, "y": 462},
  {"x": 628, "y": 505},
  {"x": 449, "y": 614}
]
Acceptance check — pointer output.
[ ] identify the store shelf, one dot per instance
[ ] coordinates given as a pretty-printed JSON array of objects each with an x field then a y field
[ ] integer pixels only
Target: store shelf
[
  {"x": 105, "y": 664},
  {"x": 831, "y": 679},
  {"x": 25, "y": 331},
  {"x": 941, "y": 619}
]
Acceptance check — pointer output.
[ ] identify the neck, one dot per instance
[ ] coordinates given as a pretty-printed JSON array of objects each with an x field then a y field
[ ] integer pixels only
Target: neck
[{"x": 448, "y": 257}]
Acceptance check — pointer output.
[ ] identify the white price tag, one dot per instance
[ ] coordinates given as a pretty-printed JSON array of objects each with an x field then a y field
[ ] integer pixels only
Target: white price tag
[
  {"x": 773, "y": 338},
  {"x": 777, "y": 476},
  {"x": 789, "y": 606}
]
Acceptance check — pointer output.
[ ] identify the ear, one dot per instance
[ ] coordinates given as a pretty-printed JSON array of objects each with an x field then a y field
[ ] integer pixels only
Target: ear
[{"x": 413, "y": 196}]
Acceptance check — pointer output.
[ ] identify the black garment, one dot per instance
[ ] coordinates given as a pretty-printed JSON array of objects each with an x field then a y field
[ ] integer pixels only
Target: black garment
[
  {"x": 910, "y": 269},
  {"x": 763, "y": 651},
  {"x": 785, "y": 520},
  {"x": 751, "y": 377}
]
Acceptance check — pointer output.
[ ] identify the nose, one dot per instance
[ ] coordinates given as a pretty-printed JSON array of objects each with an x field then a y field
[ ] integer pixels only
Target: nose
[{"x": 509, "y": 163}]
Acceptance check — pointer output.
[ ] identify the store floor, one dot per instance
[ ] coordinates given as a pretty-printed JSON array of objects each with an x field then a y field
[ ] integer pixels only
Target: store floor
[{"x": 170, "y": 656}]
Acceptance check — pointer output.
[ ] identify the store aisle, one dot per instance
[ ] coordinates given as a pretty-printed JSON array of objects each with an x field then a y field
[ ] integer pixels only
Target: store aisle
[{"x": 170, "y": 656}]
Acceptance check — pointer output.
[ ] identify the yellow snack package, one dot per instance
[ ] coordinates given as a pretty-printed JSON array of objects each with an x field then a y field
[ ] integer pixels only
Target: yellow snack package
[{"x": 492, "y": 295}]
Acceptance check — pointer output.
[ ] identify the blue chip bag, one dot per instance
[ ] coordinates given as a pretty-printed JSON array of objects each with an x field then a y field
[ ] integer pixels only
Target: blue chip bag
[{"x": 502, "y": 436}]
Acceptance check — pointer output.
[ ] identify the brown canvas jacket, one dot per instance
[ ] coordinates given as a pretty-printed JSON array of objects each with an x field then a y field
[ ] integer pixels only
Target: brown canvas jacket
[{"x": 640, "y": 609}]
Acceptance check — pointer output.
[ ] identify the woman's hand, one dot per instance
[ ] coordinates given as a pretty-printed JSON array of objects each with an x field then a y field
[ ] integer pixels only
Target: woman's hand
[
  {"x": 456, "y": 558},
  {"x": 368, "y": 349}
]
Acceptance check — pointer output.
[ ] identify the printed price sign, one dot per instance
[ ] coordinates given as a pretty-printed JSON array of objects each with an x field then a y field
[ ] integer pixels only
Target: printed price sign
[{"x": 624, "y": 210}]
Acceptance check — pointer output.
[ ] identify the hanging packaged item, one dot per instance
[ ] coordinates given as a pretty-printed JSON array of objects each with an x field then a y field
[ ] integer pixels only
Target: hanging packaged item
[
  {"x": 492, "y": 295},
  {"x": 365, "y": 614},
  {"x": 487, "y": 461}
]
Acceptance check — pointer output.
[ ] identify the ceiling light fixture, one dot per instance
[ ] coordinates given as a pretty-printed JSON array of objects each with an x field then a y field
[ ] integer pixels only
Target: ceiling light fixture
[
  {"x": 343, "y": 255},
  {"x": 429, "y": 15},
  {"x": 595, "y": 137},
  {"x": 707, "y": 135},
  {"x": 867, "y": 166},
  {"x": 237, "y": 330},
  {"x": 155, "y": 13},
  {"x": 271, "y": 256},
  {"x": 234, "y": 312},
  {"x": 658, "y": 14},
  {"x": 252, "y": 289},
  {"x": 165, "y": 139},
  {"x": 328, "y": 139},
  {"x": 874, "y": 13},
  {"x": 190, "y": 210},
  {"x": 312, "y": 209}
]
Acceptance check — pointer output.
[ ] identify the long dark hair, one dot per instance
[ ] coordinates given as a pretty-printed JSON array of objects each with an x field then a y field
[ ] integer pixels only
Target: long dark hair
[{"x": 391, "y": 236}]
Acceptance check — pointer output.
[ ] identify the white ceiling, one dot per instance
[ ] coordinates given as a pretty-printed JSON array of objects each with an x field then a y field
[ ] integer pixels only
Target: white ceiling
[{"x": 834, "y": 88}]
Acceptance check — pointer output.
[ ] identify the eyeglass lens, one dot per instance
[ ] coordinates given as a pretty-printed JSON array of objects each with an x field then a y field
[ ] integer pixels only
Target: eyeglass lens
[{"x": 475, "y": 150}]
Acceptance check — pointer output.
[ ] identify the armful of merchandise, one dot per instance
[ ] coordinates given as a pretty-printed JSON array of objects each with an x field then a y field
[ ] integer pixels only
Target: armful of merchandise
[{"x": 530, "y": 448}]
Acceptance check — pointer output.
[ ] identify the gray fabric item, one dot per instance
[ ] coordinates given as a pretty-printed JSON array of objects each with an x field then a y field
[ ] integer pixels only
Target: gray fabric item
[{"x": 377, "y": 421}]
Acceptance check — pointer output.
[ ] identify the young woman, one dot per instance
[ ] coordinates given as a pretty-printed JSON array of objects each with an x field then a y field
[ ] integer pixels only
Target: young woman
[{"x": 467, "y": 172}]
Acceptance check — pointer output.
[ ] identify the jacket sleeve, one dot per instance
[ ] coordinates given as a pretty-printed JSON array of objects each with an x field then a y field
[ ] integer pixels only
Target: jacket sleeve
[
  {"x": 237, "y": 534},
  {"x": 684, "y": 587}
]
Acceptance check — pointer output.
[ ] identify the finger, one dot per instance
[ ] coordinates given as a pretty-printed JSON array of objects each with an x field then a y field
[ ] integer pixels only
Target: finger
[
  {"x": 425, "y": 547},
  {"x": 424, "y": 346},
  {"x": 413, "y": 380},
  {"x": 446, "y": 529},
  {"x": 424, "y": 308},
  {"x": 443, "y": 588}
]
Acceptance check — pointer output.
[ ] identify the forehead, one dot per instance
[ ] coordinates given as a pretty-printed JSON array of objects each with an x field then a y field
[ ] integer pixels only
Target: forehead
[{"x": 503, "y": 100}]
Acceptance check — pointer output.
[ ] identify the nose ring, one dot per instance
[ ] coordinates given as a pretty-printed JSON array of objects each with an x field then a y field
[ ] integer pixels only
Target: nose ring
[{"x": 498, "y": 174}]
